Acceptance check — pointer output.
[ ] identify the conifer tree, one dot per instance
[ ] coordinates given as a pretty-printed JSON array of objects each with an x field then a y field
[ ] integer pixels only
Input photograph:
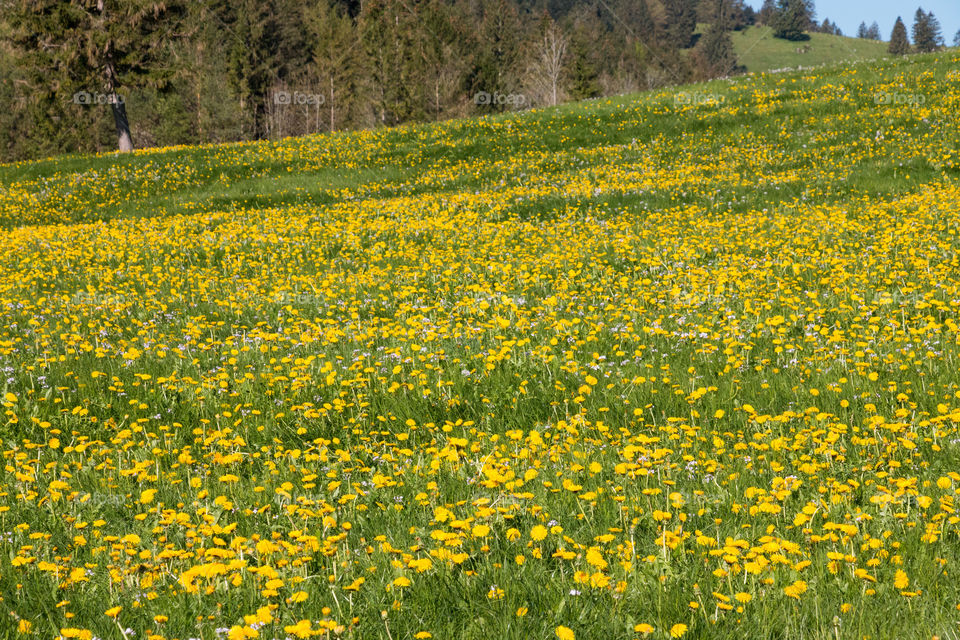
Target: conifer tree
[
  {"x": 899, "y": 43},
  {"x": 496, "y": 68},
  {"x": 586, "y": 38},
  {"x": 681, "y": 22},
  {"x": 716, "y": 47},
  {"x": 927, "y": 36},
  {"x": 792, "y": 20},
  {"x": 768, "y": 12},
  {"x": 336, "y": 58},
  {"x": 96, "y": 49}
]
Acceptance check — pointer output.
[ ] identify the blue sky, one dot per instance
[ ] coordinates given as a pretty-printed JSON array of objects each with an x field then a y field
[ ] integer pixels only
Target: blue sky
[{"x": 850, "y": 13}]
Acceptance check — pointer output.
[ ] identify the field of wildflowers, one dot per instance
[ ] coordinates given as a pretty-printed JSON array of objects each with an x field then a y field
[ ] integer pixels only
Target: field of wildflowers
[{"x": 654, "y": 367}]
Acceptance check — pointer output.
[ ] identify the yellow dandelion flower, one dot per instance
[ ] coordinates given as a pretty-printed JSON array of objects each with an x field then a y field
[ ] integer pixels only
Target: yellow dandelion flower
[{"x": 564, "y": 633}]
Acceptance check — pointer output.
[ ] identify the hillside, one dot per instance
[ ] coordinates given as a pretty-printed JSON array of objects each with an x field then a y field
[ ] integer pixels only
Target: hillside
[
  {"x": 759, "y": 51},
  {"x": 681, "y": 364}
]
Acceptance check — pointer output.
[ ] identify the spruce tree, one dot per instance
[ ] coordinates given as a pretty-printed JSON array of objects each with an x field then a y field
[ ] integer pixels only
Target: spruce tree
[
  {"x": 926, "y": 32},
  {"x": 829, "y": 28},
  {"x": 585, "y": 41},
  {"x": 496, "y": 67},
  {"x": 635, "y": 17},
  {"x": 393, "y": 36},
  {"x": 899, "y": 43},
  {"x": 792, "y": 20},
  {"x": 716, "y": 48},
  {"x": 768, "y": 13},
  {"x": 681, "y": 22},
  {"x": 936, "y": 32},
  {"x": 336, "y": 60},
  {"x": 862, "y": 30},
  {"x": 89, "y": 47},
  {"x": 445, "y": 43}
]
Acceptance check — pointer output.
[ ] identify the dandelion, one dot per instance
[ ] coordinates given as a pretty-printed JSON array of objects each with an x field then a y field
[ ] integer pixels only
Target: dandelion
[
  {"x": 900, "y": 580},
  {"x": 564, "y": 633}
]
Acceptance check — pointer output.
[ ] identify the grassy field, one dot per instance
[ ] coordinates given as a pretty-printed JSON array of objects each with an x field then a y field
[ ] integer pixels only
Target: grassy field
[
  {"x": 759, "y": 51},
  {"x": 676, "y": 365}
]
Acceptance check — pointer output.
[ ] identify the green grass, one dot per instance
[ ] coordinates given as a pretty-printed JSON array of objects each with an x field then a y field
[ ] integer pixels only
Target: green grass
[
  {"x": 706, "y": 338},
  {"x": 759, "y": 51}
]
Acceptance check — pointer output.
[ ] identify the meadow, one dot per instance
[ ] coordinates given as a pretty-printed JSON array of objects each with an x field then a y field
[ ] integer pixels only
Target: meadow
[{"x": 679, "y": 364}]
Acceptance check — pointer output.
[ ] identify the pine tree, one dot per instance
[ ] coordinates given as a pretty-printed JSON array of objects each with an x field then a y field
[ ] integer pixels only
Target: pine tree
[
  {"x": 393, "y": 35},
  {"x": 681, "y": 22},
  {"x": 927, "y": 35},
  {"x": 873, "y": 32},
  {"x": 496, "y": 67},
  {"x": 336, "y": 60},
  {"x": 715, "y": 48},
  {"x": 446, "y": 49},
  {"x": 936, "y": 32},
  {"x": 899, "y": 44},
  {"x": 792, "y": 20},
  {"x": 768, "y": 13},
  {"x": 93, "y": 46},
  {"x": 586, "y": 37},
  {"x": 926, "y": 32},
  {"x": 862, "y": 30}
]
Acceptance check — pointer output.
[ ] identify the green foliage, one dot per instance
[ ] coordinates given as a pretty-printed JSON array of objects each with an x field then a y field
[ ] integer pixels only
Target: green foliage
[
  {"x": 217, "y": 70},
  {"x": 927, "y": 36},
  {"x": 71, "y": 51},
  {"x": 681, "y": 22},
  {"x": 792, "y": 20},
  {"x": 899, "y": 44},
  {"x": 681, "y": 262},
  {"x": 717, "y": 50}
]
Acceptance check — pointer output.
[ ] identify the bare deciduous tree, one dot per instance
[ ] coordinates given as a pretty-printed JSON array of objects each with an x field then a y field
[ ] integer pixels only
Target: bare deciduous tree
[{"x": 545, "y": 72}]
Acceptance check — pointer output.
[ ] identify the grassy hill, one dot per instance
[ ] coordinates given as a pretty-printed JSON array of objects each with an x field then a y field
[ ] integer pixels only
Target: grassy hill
[
  {"x": 675, "y": 365},
  {"x": 759, "y": 51}
]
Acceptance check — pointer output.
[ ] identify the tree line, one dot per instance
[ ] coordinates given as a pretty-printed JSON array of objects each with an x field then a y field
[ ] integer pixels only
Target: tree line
[
  {"x": 97, "y": 75},
  {"x": 92, "y": 75}
]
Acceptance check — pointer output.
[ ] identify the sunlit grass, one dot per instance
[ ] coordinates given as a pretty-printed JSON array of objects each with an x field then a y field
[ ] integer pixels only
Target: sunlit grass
[{"x": 648, "y": 367}]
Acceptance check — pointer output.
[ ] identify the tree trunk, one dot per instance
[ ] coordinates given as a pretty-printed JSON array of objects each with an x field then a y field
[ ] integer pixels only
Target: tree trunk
[
  {"x": 125, "y": 141},
  {"x": 119, "y": 108},
  {"x": 331, "y": 103}
]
